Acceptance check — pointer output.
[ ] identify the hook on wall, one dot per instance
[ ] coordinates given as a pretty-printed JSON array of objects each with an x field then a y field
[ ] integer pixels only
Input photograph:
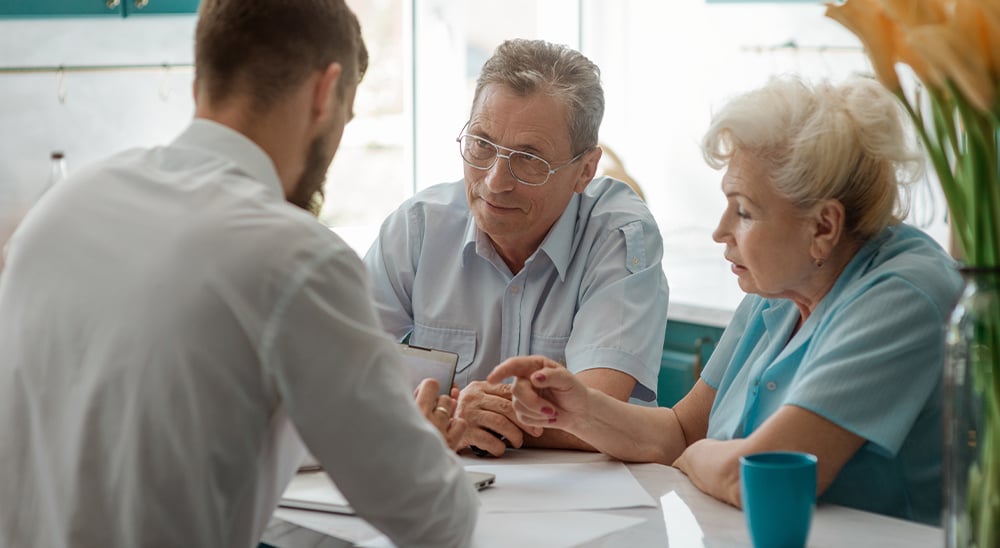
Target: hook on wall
[{"x": 166, "y": 69}]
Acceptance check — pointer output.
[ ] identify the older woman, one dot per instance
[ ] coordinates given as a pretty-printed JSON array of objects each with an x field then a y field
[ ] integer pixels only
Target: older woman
[{"x": 838, "y": 349}]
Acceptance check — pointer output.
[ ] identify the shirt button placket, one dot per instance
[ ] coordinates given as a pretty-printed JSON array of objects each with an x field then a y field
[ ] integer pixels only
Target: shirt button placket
[{"x": 511, "y": 337}]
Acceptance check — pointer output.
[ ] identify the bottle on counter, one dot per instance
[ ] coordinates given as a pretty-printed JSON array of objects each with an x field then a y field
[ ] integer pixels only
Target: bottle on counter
[
  {"x": 57, "y": 170},
  {"x": 13, "y": 210}
]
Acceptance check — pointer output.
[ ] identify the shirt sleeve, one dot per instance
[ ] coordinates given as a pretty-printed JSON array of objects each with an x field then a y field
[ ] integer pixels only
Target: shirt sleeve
[
  {"x": 340, "y": 380},
  {"x": 874, "y": 363},
  {"x": 622, "y": 314},
  {"x": 391, "y": 264}
]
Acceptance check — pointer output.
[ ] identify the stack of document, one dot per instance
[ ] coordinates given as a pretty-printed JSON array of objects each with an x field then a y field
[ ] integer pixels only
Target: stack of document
[{"x": 532, "y": 504}]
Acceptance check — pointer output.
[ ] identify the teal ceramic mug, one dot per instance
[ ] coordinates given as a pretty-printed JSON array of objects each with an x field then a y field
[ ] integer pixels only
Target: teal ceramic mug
[{"x": 778, "y": 491}]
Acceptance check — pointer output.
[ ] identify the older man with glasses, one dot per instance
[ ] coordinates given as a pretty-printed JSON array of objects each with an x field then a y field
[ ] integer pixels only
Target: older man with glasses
[{"x": 529, "y": 254}]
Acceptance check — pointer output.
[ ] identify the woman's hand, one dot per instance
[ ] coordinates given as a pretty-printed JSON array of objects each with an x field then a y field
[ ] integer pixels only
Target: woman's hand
[
  {"x": 440, "y": 411},
  {"x": 713, "y": 466},
  {"x": 545, "y": 393}
]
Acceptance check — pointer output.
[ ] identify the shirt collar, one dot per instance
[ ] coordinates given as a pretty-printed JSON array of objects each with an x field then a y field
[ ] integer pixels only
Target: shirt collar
[
  {"x": 557, "y": 245},
  {"x": 209, "y": 136},
  {"x": 469, "y": 245}
]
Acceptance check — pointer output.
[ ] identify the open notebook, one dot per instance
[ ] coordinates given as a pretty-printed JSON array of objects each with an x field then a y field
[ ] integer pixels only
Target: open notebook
[{"x": 315, "y": 491}]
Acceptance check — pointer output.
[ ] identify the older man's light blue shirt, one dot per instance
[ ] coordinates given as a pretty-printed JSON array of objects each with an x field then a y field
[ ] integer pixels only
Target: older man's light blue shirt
[
  {"x": 869, "y": 358},
  {"x": 592, "y": 295}
]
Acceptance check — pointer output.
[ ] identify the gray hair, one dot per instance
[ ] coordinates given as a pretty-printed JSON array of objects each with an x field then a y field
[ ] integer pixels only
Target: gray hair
[
  {"x": 530, "y": 66},
  {"x": 847, "y": 142}
]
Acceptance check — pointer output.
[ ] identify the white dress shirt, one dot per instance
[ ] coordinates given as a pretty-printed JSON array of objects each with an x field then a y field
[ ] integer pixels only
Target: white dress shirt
[{"x": 165, "y": 318}]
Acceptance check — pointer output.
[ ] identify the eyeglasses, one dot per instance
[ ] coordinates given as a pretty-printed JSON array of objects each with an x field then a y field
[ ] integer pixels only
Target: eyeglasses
[{"x": 525, "y": 167}]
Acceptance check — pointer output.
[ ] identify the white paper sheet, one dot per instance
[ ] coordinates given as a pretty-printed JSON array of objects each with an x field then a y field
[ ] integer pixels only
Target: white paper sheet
[
  {"x": 562, "y": 487},
  {"x": 350, "y": 528},
  {"x": 550, "y": 529},
  {"x": 314, "y": 491},
  {"x": 530, "y": 505}
]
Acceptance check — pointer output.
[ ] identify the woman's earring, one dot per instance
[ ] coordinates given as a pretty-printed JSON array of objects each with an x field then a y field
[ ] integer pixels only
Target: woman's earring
[{"x": 819, "y": 263}]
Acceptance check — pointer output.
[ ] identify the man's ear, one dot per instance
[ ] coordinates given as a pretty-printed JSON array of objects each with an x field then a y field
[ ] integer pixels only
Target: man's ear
[
  {"x": 828, "y": 227},
  {"x": 324, "y": 95},
  {"x": 590, "y": 161}
]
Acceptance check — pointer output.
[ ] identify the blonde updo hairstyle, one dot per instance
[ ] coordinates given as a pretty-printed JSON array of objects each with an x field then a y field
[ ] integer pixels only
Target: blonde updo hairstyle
[{"x": 847, "y": 142}]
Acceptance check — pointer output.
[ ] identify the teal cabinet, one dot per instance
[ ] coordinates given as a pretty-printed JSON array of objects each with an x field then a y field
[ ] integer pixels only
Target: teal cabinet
[
  {"x": 153, "y": 7},
  {"x": 77, "y": 8},
  {"x": 686, "y": 348},
  {"x": 47, "y": 8}
]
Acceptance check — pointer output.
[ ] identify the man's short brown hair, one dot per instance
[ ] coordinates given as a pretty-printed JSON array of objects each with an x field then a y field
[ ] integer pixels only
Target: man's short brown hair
[{"x": 265, "y": 48}]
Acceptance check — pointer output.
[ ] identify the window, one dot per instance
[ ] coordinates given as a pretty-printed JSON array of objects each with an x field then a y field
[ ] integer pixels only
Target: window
[
  {"x": 665, "y": 66},
  {"x": 425, "y": 57}
]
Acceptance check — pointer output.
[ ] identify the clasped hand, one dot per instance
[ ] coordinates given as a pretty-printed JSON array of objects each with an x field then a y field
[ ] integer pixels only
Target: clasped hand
[
  {"x": 492, "y": 423},
  {"x": 491, "y": 415},
  {"x": 544, "y": 393}
]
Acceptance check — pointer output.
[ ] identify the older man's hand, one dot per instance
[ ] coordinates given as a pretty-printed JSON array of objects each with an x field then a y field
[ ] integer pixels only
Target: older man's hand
[
  {"x": 488, "y": 410},
  {"x": 440, "y": 411}
]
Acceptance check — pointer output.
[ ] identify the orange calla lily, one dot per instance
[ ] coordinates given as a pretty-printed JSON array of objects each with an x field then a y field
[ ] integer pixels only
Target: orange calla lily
[
  {"x": 912, "y": 13},
  {"x": 909, "y": 56},
  {"x": 987, "y": 14},
  {"x": 870, "y": 23},
  {"x": 947, "y": 51},
  {"x": 991, "y": 6}
]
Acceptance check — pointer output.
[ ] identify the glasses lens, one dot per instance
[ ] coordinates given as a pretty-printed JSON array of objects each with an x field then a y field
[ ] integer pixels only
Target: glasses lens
[
  {"x": 477, "y": 152},
  {"x": 530, "y": 169}
]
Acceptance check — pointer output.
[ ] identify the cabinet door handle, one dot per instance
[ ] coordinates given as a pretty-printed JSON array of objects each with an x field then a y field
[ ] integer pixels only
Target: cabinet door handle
[
  {"x": 139, "y": 4},
  {"x": 112, "y": 4}
]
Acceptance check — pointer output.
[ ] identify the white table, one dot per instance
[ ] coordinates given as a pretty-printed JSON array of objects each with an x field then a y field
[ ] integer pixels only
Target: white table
[{"x": 720, "y": 525}]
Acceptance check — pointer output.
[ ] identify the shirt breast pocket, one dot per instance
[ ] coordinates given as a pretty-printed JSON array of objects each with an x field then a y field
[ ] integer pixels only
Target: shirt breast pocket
[
  {"x": 449, "y": 339},
  {"x": 553, "y": 348}
]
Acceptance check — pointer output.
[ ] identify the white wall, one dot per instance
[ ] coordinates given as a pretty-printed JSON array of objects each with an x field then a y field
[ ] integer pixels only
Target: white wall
[
  {"x": 665, "y": 66},
  {"x": 88, "y": 115}
]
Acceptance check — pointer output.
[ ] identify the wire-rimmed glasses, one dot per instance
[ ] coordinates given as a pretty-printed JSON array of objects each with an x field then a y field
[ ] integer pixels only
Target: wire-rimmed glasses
[{"x": 524, "y": 167}]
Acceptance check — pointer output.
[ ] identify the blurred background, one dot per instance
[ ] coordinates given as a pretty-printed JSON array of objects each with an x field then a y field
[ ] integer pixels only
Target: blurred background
[{"x": 126, "y": 82}]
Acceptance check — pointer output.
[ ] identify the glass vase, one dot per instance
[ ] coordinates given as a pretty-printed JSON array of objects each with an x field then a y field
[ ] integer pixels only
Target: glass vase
[{"x": 972, "y": 416}]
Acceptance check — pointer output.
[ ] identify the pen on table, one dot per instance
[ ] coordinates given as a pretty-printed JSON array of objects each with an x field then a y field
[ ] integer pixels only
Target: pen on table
[{"x": 309, "y": 468}]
